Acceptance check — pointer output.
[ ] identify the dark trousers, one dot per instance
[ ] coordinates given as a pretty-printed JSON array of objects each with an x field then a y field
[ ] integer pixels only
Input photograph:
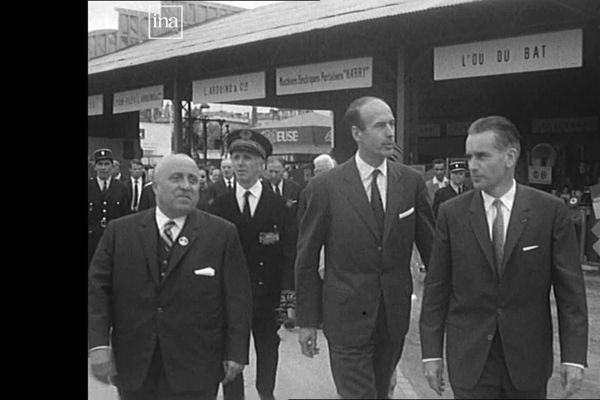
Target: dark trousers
[
  {"x": 364, "y": 372},
  {"x": 495, "y": 382},
  {"x": 266, "y": 344},
  {"x": 156, "y": 386}
]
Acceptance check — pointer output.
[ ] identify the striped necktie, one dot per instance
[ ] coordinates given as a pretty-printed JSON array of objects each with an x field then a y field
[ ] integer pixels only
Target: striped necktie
[{"x": 168, "y": 234}]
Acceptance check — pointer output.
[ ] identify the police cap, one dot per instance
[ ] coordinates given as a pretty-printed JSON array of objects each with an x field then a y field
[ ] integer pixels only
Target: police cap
[
  {"x": 103, "y": 154},
  {"x": 457, "y": 166},
  {"x": 249, "y": 141}
]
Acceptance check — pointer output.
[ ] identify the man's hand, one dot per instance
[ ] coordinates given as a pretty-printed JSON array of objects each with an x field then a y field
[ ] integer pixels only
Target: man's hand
[
  {"x": 232, "y": 369},
  {"x": 434, "y": 372},
  {"x": 103, "y": 365},
  {"x": 307, "y": 337},
  {"x": 570, "y": 378}
]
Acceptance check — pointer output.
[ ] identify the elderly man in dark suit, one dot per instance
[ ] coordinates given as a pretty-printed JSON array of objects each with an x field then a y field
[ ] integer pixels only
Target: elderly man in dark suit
[
  {"x": 367, "y": 213},
  {"x": 107, "y": 199},
  {"x": 498, "y": 251},
  {"x": 267, "y": 229},
  {"x": 169, "y": 296}
]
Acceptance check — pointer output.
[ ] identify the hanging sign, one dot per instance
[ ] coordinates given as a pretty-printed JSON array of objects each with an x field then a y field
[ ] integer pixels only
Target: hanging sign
[
  {"x": 544, "y": 51},
  {"x": 564, "y": 125},
  {"x": 229, "y": 88},
  {"x": 336, "y": 75},
  {"x": 541, "y": 175},
  {"x": 138, "y": 99},
  {"x": 95, "y": 106}
]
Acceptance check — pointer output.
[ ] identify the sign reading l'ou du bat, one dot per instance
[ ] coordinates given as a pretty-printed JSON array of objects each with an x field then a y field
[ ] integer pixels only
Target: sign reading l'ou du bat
[
  {"x": 539, "y": 52},
  {"x": 229, "y": 88}
]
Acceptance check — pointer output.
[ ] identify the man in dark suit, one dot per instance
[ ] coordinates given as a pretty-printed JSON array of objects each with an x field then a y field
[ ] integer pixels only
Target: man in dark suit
[
  {"x": 367, "y": 213},
  {"x": 169, "y": 295},
  {"x": 286, "y": 188},
  {"x": 454, "y": 188},
  {"x": 107, "y": 199},
  {"x": 147, "y": 198},
  {"x": 498, "y": 251},
  {"x": 267, "y": 229},
  {"x": 135, "y": 184},
  {"x": 223, "y": 185}
]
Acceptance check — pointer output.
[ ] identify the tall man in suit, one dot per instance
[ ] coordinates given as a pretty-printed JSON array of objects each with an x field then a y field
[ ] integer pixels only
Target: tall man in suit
[
  {"x": 267, "y": 229},
  {"x": 135, "y": 183},
  {"x": 367, "y": 213},
  {"x": 498, "y": 251},
  {"x": 107, "y": 199},
  {"x": 454, "y": 188},
  {"x": 169, "y": 295}
]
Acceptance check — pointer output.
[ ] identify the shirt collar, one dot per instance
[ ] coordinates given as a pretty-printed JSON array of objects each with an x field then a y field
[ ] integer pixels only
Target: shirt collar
[
  {"x": 134, "y": 179},
  {"x": 437, "y": 182},
  {"x": 507, "y": 199},
  {"x": 455, "y": 187},
  {"x": 162, "y": 219},
  {"x": 101, "y": 182},
  {"x": 256, "y": 190},
  {"x": 365, "y": 170}
]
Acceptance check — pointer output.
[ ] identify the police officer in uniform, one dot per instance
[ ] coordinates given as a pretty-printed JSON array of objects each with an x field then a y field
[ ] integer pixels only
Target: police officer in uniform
[
  {"x": 456, "y": 186},
  {"x": 267, "y": 229},
  {"x": 107, "y": 199}
]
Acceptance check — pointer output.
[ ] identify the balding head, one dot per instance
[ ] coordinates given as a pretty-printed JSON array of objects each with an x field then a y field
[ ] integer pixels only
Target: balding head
[
  {"x": 176, "y": 185},
  {"x": 323, "y": 163}
]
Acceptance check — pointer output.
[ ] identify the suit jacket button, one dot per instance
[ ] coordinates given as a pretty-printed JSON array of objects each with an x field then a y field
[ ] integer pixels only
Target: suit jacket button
[
  {"x": 261, "y": 263},
  {"x": 379, "y": 248},
  {"x": 490, "y": 337},
  {"x": 260, "y": 283},
  {"x": 160, "y": 309}
]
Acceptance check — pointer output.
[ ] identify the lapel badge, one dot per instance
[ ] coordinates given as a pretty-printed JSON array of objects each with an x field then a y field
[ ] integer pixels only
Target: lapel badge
[{"x": 183, "y": 241}]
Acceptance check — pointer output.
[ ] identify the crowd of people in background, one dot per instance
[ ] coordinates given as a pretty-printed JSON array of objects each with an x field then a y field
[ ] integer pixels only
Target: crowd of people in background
[{"x": 185, "y": 265}]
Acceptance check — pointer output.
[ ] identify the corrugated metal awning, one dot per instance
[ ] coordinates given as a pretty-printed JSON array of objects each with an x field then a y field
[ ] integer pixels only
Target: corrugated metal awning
[{"x": 268, "y": 22}]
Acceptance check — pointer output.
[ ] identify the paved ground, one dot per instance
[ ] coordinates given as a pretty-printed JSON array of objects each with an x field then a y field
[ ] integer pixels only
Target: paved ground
[{"x": 301, "y": 377}]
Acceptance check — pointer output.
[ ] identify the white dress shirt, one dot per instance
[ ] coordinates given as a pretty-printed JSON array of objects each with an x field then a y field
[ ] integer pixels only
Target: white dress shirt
[
  {"x": 507, "y": 200},
  {"x": 228, "y": 182},
  {"x": 440, "y": 184},
  {"x": 256, "y": 191},
  {"x": 136, "y": 182},
  {"x": 365, "y": 172}
]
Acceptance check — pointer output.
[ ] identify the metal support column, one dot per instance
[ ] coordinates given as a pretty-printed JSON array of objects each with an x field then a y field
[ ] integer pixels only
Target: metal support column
[{"x": 177, "y": 135}]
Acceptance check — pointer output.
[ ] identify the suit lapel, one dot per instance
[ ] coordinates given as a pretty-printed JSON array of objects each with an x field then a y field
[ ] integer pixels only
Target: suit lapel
[
  {"x": 518, "y": 220},
  {"x": 149, "y": 236},
  {"x": 478, "y": 222},
  {"x": 355, "y": 193},
  {"x": 393, "y": 198},
  {"x": 189, "y": 231}
]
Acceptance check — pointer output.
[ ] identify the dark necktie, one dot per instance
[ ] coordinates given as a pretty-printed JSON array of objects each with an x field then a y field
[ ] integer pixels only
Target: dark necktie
[
  {"x": 135, "y": 195},
  {"x": 498, "y": 236},
  {"x": 277, "y": 190},
  {"x": 376, "y": 203},
  {"x": 168, "y": 234},
  {"x": 229, "y": 185},
  {"x": 246, "y": 211},
  {"x": 104, "y": 186}
]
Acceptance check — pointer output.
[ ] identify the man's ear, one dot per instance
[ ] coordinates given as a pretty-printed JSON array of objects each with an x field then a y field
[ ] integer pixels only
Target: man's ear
[
  {"x": 355, "y": 133},
  {"x": 512, "y": 156}
]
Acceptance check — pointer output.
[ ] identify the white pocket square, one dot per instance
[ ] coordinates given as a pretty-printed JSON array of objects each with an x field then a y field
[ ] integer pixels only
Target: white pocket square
[
  {"x": 208, "y": 271},
  {"x": 527, "y": 248},
  {"x": 406, "y": 213}
]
